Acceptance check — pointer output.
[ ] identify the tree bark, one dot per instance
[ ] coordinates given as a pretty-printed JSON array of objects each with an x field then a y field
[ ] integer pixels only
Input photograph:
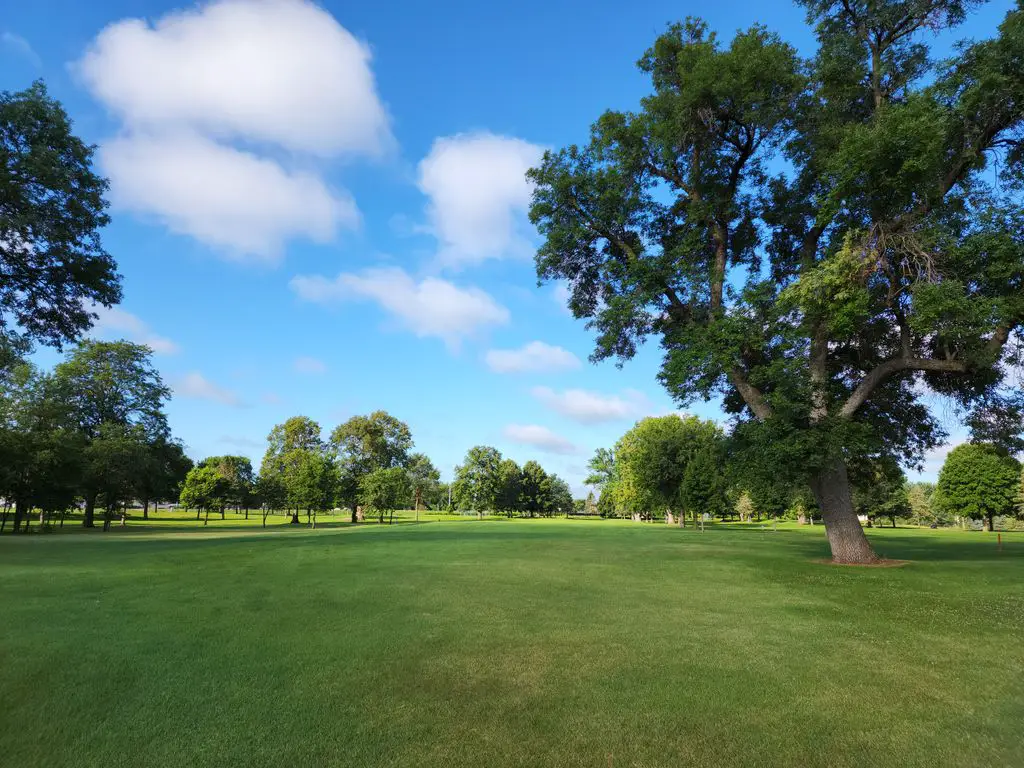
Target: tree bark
[
  {"x": 354, "y": 512},
  {"x": 145, "y": 509},
  {"x": 845, "y": 536},
  {"x": 19, "y": 514},
  {"x": 991, "y": 523},
  {"x": 88, "y": 520},
  {"x": 295, "y": 517}
]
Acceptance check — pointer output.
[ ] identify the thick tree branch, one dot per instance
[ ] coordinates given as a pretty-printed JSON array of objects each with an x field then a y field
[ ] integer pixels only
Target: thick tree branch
[
  {"x": 905, "y": 362},
  {"x": 818, "y": 360},
  {"x": 751, "y": 395}
]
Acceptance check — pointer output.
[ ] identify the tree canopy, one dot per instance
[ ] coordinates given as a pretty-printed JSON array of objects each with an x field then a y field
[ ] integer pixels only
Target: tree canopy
[
  {"x": 810, "y": 239},
  {"x": 979, "y": 481},
  {"x": 53, "y": 267}
]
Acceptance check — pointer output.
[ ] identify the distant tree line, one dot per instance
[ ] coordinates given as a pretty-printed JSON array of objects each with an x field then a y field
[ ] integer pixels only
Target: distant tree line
[{"x": 679, "y": 468}]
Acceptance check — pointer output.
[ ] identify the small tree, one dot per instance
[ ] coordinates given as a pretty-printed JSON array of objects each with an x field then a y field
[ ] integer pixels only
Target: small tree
[
  {"x": 510, "y": 491},
  {"x": 383, "y": 491},
  {"x": 205, "y": 488},
  {"x": 270, "y": 494},
  {"x": 424, "y": 478},
  {"x": 978, "y": 481},
  {"x": 478, "y": 479},
  {"x": 704, "y": 484},
  {"x": 363, "y": 444}
]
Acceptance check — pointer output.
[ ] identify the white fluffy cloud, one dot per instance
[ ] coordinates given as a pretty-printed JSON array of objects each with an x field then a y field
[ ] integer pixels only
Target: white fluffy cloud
[
  {"x": 277, "y": 71},
  {"x": 429, "y": 307},
  {"x": 533, "y": 357},
  {"x": 592, "y": 407},
  {"x": 539, "y": 437},
  {"x": 309, "y": 365},
  {"x": 195, "y": 386},
  {"x": 282, "y": 76},
  {"x": 117, "y": 322},
  {"x": 478, "y": 193},
  {"x": 242, "y": 203}
]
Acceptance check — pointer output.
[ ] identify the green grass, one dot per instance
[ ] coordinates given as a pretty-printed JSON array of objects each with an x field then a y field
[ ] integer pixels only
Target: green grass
[{"x": 544, "y": 643}]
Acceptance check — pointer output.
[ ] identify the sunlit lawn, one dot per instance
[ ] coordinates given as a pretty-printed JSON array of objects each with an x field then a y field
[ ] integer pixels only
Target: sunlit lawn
[{"x": 525, "y": 643}]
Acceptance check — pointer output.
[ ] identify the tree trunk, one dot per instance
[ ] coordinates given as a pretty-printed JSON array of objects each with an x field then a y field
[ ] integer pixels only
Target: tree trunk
[
  {"x": 845, "y": 536},
  {"x": 221, "y": 511},
  {"x": 246, "y": 513},
  {"x": 295, "y": 517},
  {"x": 354, "y": 508},
  {"x": 88, "y": 520},
  {"x": 19, "y": 514},
  {"x": 206, "y": 518},
  {"x": 991, "y": 523},
  {"x": 893, "y": 518},
  {"x": 199, "y": 512},
  {"x": 145, "y": 509},
  {"x": 7, "y": 509}
]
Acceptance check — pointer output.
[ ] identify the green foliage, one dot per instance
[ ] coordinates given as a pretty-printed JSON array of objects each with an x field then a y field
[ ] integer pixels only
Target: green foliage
[
  {"x": 510, "y": 490},
  {"x": 881, "y": 491},
  {"x": 978, "y": 481},
  {"x": 238, "y": 472},
  {"x": 536, "y": 495},
  {"x": 205, "y": 488},
  {"x": 52, "y": 209},
  {"x": 478, "y": 479},
  {"x": 384, "y": 490},
  {"x": 651, "y": 462},
  {"x": 425, "y": 480},
  {"x": 810, "y": 239},
  {"x": 365, "y": 443}
]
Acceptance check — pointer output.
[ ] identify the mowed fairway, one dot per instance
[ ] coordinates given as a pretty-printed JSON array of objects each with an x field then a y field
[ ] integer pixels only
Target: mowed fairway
[{"x": 548, "y": 643}]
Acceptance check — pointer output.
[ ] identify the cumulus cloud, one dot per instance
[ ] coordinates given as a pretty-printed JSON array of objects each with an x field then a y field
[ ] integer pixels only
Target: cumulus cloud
[
  {"x": 282, "y": 76},
  {"x": 533, "y": 357},
  {"x": 593, "y": 407},
  {"x": 277, "y": 71},
  {"x": 195, "y": 386},
  {"x": 309, "y": 365},
  {"x": 115, "y": 322},
  {"x": 431, "y": 307},
  {"x": 242, "y": 203},
  {"x": 539, "y": 437},
  {"x": 478, "y": 194}
]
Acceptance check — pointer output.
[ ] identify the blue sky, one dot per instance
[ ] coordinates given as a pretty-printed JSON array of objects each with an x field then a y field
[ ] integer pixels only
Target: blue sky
[{"x": 319, "y": 209}]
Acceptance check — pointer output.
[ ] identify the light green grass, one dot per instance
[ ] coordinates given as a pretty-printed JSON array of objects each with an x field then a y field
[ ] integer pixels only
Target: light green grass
[{"x": 525, "y": 643}]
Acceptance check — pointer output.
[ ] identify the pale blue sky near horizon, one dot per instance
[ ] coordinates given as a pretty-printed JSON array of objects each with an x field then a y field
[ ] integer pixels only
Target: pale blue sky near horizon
[{"x": 320, "y": 210}]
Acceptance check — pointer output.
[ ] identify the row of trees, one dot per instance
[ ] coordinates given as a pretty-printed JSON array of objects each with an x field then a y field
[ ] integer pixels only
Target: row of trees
[
  {"x": 675, "y": 467},
  {"x": 94, "y": 430},
  {"x": 367, "y": 466}
]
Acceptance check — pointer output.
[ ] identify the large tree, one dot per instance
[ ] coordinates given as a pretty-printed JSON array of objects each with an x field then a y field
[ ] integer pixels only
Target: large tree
[
  {"x": 978, "y": 481},
  {"x": 425, "y": 480},
  {"x": 239, "y": 474},
  {"x": 384, "y": 490},
  {"x": 53, "y": 267},
  {"x": 477, "y": 482},
  {"x": 812, "y": 240},
  {"x": 651, "y": 461},
  {"x": 289, "y": 448},
  {"x": 366, "y": 443},
  {"x": 111, "y": 391}
]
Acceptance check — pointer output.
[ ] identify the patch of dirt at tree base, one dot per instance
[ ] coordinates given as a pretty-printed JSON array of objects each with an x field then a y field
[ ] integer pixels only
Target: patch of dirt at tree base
[{"x": 880, "y": 563}]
